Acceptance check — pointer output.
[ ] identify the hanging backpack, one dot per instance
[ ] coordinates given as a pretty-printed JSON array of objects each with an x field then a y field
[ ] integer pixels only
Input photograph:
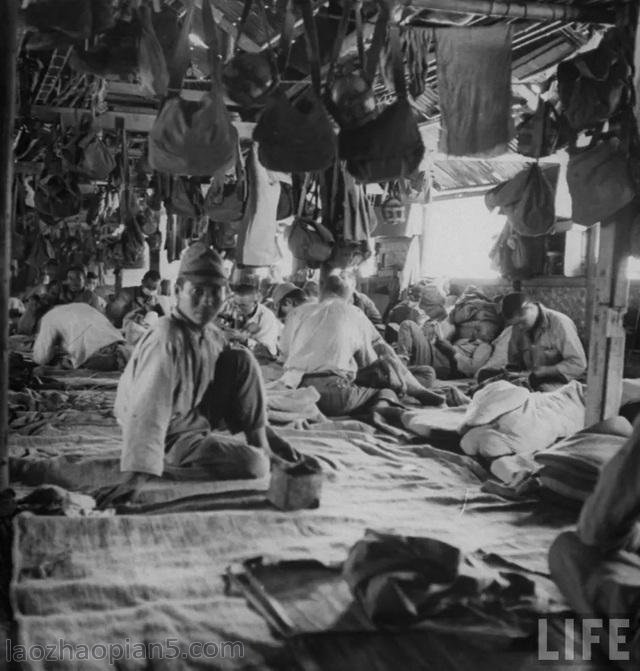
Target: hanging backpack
[
  {"x": 250, "y": 78},
  {"x": 390, "y": 146},
  {"x": 298, "y": 137},
  {"x": 538, "y": 133},
  {"x": 193, "y": 137}
]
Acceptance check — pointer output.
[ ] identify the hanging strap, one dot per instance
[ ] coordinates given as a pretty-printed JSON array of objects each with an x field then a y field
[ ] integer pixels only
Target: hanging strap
[
  {"x": 360, "y": 34},
  {"x": 397, "y": 62},
  {"x": 303, "y": 194},
  {"x": 377, "y": 43},
  {"x": 337, "y": 45},
  {"x": 284, "y": 8},
  {"x": 179, "y": 61},
  {"x": 244, "y": 17},
  {"x": 313, "y": 49},
  {"x": 211, "y": 40}
]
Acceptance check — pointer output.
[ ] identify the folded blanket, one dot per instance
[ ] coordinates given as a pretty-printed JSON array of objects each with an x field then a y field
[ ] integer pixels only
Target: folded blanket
[{"x": 572, "y": 467}]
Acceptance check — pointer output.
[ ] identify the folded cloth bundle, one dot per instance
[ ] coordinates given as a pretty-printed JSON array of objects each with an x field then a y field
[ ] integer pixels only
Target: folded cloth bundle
[
  {"x": 400, "y": 580},
  {"x": 571, "y": 467}
]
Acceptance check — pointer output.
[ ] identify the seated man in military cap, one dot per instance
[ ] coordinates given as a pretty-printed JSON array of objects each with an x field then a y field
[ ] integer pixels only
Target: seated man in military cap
[{"x": 182, "y": 380}]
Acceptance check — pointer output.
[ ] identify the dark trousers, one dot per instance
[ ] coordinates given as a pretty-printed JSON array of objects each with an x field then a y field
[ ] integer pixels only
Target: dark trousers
[
  {"x": 340, "y": 395},
  {"x": 234, "y": 400}
]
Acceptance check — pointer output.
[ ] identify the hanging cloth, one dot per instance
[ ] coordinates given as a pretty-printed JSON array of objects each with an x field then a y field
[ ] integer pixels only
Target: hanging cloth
[
  {"x": 257, "y": 237},
  {"x": 474, "y": 84}
]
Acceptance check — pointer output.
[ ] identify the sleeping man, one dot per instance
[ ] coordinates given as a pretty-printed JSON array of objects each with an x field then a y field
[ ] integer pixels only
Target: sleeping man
[{"x": 182, "y": 381}]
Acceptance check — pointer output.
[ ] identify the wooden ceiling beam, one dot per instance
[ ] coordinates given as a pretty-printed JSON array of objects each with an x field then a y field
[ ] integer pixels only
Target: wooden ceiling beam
[{"x": 535, "y": 11}]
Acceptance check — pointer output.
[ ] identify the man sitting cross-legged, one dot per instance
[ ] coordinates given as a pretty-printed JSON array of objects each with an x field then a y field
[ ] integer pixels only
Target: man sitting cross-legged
[
  {"x": 333, "y": 347},
  {"x": 183, "y": 379}
]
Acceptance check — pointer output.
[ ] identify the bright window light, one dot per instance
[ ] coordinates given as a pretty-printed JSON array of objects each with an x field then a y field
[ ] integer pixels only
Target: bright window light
[{"x": 459, "y": 236}]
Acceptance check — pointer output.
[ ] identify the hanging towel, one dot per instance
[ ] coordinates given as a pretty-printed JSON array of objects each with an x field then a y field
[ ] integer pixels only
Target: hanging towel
[
  {"x": 474, "y": 83},
  {"x": 257, "y": 244}
]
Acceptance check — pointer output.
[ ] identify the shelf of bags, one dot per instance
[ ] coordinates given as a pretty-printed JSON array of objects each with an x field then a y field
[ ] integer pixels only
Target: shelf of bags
[{"x": 140, "y": 121}]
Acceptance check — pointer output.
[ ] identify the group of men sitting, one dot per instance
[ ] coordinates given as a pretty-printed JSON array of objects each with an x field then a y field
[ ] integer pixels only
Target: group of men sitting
[
  {"x": 196, "y": 365},
  {"x": 75, "y": 326},
  {"x": 193, "y": 372}
]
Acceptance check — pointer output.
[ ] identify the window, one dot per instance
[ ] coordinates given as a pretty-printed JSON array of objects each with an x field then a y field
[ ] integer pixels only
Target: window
[{"x": 459, "y": 235}]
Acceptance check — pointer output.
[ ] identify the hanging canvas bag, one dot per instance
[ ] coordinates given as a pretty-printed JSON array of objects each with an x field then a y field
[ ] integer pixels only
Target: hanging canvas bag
[
  {"x": 528, "y": 201},
  {"x": 593, "y": 85},
  {"x": 185, "y": 198},
  {"x": 193, "y": 137},
  {"x": 88, "y": 154},
  {"x": 298, "y": 137},
  {"x": 538, "y": 133},
  {"x": 351, "y": 98},
  {"x": 390, "y": 146},
  {"x": 129, "y": 49},
  {"x": 225, "y": 199},
  {"x": 309, "y": 241},
  {"x": 599, "y": 180},
  {"x": 57, "y": 198},
  {"x": 250, "y": 77}
]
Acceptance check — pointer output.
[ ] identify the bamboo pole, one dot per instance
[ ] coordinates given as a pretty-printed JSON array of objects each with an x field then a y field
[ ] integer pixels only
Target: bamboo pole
[
  {"x": 8, "y": 75},
  {"x": 535, "y": 11}
]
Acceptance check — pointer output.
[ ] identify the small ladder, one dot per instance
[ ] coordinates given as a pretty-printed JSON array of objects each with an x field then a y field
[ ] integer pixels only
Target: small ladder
[{"x": 58, "y": 60}]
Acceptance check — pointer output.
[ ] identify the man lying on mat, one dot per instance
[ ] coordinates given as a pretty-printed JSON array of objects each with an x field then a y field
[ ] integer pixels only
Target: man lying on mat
[
  {"x": 183, "y": 379},
  {"x": 323, "y": 345}
]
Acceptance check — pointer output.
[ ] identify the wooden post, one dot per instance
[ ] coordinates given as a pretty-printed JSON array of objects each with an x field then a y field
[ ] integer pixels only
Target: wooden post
[
  {"x": 591, "y": 257},
  {"x": 606, "y": 342},
  {"x": 8, "y": 65}
]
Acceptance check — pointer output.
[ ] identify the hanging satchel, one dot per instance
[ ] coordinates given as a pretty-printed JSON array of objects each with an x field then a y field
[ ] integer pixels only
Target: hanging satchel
[
  {"x": 225, "y": 200},
  {"x": 193, "y": 137},
  {"x": 250, "y": 78},
  {"x": 351, "y": 97},
  {"x": 89, "y": 155},
  {"x": 528, "y": 201},
  {"x": 308, "y": 240},
  {"x": 593, "y": 85},
  {"x": 129, "y": 49},
  {"x": 390, "y": 146},
  {"x": 185, "y": 198},
  {"x": 300, "y": 137},
  {"x": 599, "y": 179},
  {"x": 538, "y": 133}
]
